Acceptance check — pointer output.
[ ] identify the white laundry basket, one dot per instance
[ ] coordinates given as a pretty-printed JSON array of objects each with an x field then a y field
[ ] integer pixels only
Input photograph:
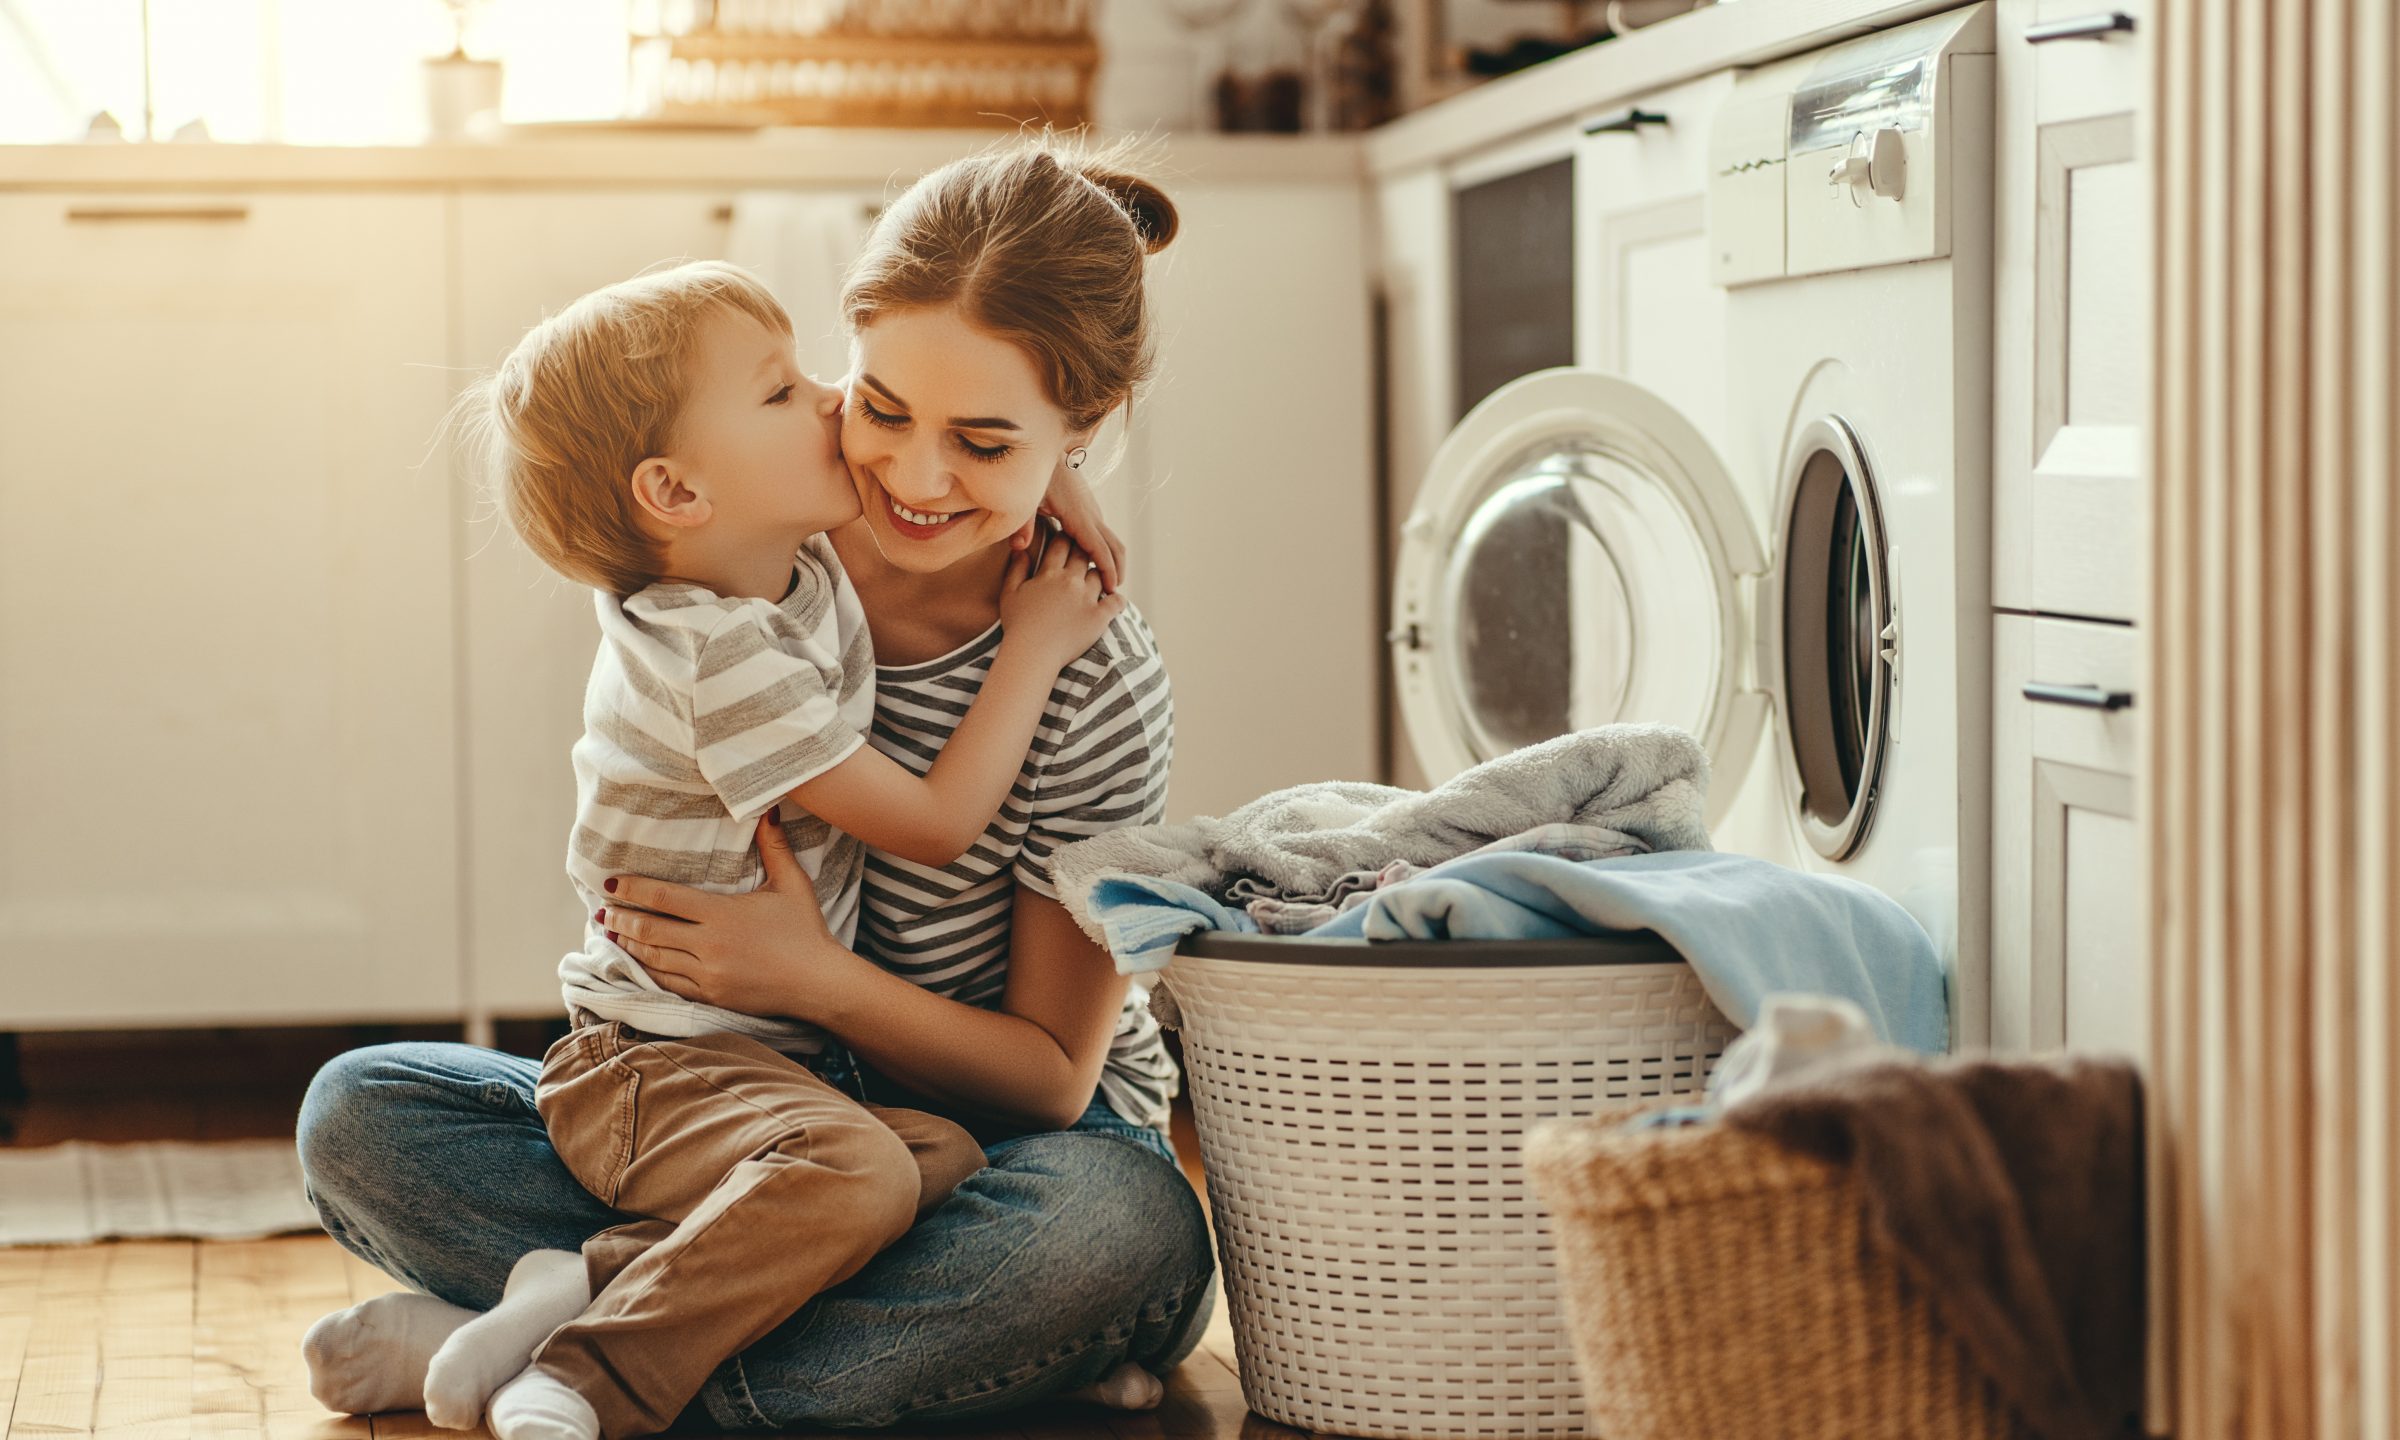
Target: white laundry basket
[{"x": 1361, "y": 1110}]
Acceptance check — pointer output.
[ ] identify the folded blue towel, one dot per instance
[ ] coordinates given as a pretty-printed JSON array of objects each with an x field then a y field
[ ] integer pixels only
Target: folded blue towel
[
  {"x": 1748, "y": 927},
  {"x": 1142, "y": 917}
]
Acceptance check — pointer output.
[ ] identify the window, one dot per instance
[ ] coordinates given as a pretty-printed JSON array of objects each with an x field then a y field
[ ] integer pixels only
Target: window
[{"x": 300, "y": 71}]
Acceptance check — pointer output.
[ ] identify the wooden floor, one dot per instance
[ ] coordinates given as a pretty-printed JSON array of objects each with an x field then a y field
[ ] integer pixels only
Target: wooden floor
[{"x": 162, "y": 1340}]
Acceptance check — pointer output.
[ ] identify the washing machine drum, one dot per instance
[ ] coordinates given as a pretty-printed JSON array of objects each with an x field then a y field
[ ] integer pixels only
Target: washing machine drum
[{"x": 1579, "y": 556}]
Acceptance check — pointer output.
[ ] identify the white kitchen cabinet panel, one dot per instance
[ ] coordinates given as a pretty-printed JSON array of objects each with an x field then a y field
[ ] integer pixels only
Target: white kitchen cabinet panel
[
  {"x": 1249, "y": 493},
  {"x": 228, "y": 757},
  {"x": 529, "y": 635},
  {"x": 2069, "y": 964},
  {"x": 1645, "y": 306},
  {"x": 2072, "y": 379}
]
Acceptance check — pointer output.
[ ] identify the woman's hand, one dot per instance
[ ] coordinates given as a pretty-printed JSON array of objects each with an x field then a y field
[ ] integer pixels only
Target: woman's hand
[{"x": 767, "y": 952}]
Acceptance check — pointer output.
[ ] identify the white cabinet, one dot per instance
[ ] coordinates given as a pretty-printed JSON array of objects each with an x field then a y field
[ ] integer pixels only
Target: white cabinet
[
  {"x": 529, "y": 636},
  {"x": 2071, "y": 315},
  {"x": 2068, "y": 966},
  {"x": 228, "y": 759},
  {"x": 1248, "y": 492},
  {"x": 1645, "y": 307}
]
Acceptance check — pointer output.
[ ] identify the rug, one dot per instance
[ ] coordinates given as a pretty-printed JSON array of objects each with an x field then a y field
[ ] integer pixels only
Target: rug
[{"x": 78, "y": 1192}]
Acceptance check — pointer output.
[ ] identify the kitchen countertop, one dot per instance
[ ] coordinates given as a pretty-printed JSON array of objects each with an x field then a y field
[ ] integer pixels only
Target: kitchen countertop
[
  {"x": 1735, "y": 32},
  {"x": 586, "y": 157}
]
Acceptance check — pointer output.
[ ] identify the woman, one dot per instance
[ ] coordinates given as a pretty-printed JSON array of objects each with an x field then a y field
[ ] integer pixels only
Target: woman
[{"x": 998, "y": 319}]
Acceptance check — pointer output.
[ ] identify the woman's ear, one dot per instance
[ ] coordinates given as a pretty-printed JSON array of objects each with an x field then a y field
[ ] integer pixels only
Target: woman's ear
[{"x": 661, "y": 494}]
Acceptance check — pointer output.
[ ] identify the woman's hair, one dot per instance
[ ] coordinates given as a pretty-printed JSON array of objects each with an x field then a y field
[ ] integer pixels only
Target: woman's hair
[
  {"x": 1039, "y": 243},
  {"x": 588, "y": 395}
]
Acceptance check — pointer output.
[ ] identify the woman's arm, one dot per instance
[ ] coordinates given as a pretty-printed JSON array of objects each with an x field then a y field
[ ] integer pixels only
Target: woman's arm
[
  {"x": 1032, "y": 1063},
  {"x": 1035, "y": 1061}
]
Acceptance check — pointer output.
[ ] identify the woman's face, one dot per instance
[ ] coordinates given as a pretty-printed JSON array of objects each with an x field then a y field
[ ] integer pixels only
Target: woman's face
[{"x": 949, "y": 435}]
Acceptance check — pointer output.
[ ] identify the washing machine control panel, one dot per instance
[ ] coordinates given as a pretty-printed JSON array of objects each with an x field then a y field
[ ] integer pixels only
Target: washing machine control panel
[{"x": 1838, "y": 160}]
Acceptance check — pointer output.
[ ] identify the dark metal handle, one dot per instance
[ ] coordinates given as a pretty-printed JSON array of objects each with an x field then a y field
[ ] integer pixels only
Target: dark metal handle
[
  {"x": 2088, "y": 27},
  {"x": 1628, "y": 123},
  {"x": 2088, "y": 697}
]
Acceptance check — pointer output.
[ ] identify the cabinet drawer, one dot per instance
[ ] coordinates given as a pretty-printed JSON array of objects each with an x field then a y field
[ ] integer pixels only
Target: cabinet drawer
[
  {"x": 2071, "y": 318},
  {"x": 2090, "y": 54},
  {"x": 2080, "y": 670},
  {"x": 2068, "y": 963},
  {"x": 1645, "y": 307}
]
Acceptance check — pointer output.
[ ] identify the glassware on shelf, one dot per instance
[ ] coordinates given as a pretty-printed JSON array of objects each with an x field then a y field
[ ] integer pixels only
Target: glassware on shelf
[
  {"x": 1205, "y": 22},
  {"x": 1321, "y": 22}
]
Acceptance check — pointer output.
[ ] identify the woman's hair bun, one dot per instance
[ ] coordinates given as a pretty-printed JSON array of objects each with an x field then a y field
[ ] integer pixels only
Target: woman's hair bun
[{"x": 1152, "y": 212}]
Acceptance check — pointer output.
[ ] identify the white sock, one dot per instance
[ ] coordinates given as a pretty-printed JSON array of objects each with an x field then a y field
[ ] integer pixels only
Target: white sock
[
  {"x": 372, "y": 1356},
  {"x": 545, "y": 1290},
  {"x": 1128, "y": 1387},
  {"x": 535, "y": 1406}
]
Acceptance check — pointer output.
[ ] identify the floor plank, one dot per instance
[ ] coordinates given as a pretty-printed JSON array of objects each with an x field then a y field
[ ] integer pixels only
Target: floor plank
[
  {"x": 146, "y": 1307},
  {"x": 255, "y": 1299},
  {"x": 20, "y": 1279},
  {"x": 60, "y": 1381}
]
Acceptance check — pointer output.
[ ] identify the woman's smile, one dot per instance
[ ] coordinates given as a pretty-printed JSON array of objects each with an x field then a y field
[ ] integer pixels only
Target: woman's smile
[{"x": 910, "y": 523}]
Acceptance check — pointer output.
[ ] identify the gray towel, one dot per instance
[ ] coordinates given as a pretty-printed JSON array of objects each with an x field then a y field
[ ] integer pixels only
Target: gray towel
[{"x": 1647, "y": 782}]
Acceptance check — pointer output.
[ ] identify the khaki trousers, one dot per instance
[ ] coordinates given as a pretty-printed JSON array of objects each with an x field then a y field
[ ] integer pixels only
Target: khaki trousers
[{"x": 755, "y": 1185}]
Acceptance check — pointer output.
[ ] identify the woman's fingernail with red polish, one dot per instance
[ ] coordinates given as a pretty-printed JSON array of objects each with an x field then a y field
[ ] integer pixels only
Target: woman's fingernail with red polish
[
  {"x": 610, "y": 885},
  {"x": 612, "y": 937}
]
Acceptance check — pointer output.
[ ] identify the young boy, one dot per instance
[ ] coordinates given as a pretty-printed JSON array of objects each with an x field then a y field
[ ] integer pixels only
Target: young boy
[{"x": 657, "y": 442}]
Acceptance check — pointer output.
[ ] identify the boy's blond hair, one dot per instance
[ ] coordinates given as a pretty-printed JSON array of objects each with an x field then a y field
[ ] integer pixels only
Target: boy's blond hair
[{"x": 588, "y": 395}]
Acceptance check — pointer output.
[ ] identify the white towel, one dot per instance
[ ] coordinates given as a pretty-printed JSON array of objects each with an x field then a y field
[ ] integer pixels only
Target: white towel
[
  {"x": 801, "y": 244},
  {"x": 1646, "y": 782}
]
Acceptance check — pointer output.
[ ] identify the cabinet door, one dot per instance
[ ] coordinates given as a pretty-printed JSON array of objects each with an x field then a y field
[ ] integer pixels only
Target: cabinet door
[
  {"x": 1250, "y": 492},
  {"x": 2071, "y": 315},
  {"x": 529, "y": 635},
  {"x": 228, "y": 765},
  {"x": 1645, "y": 307},
  {"x": 2069, "y": 966}
]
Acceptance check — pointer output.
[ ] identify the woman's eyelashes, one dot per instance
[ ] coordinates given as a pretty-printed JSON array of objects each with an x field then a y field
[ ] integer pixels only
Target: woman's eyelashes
[{"x": 882, "y": 420}]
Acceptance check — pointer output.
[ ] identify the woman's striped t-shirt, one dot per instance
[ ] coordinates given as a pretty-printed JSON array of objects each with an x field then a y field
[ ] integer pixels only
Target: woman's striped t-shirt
[{"x": 1098, "y": 762}]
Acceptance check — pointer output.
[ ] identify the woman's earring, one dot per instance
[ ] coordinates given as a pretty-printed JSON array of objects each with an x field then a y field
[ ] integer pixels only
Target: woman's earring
[{"x": 1075, "y": 457}]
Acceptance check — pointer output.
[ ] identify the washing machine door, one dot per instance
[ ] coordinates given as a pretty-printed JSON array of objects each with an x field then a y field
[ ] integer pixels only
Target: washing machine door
[{"x": 1578, "y": 556}]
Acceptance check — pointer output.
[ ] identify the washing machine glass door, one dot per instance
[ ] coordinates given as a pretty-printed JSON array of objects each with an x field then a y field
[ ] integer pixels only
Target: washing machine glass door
[
  {"x": 1835, "y": 636},
  {"x": 1575, "y": 559}
]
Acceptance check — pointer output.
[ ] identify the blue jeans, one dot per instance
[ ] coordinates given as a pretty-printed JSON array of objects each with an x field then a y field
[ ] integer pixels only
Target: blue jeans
[{"x": 1073, "y": 1251}]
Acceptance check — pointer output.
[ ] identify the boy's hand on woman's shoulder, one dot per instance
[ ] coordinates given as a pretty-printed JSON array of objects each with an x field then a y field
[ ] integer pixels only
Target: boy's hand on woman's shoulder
[{"x": 1057, "y": 603}]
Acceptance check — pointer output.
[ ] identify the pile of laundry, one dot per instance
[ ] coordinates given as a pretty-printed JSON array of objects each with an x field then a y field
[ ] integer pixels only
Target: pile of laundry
[{"x": 1596, "y": 832}]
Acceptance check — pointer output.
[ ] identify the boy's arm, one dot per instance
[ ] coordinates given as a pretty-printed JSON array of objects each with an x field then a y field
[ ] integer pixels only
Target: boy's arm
[
  {"x": 934, "y": 818},
  {"x": 1051, "y": 611}
]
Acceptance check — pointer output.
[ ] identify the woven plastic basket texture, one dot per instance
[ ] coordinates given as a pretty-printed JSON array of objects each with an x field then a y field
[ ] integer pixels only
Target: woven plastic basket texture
[{"x": 1387, "y": 1267}]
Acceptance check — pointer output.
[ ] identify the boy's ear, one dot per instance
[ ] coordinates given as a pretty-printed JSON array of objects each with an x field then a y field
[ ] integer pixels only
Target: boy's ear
[{"x": 660, "y": 494}]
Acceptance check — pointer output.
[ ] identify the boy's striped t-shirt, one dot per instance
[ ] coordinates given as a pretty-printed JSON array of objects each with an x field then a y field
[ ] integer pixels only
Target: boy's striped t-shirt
[
  {"x": 702, "y": 711},
  {"x": 1098, "y": 762}
]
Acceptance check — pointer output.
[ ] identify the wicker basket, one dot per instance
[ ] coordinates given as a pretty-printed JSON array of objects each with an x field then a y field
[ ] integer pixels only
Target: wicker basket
[
  {"x": 1719, "y": 1284},
  {"x": 951, "y": 63},
  {"x": 1361, "y": 1110}
]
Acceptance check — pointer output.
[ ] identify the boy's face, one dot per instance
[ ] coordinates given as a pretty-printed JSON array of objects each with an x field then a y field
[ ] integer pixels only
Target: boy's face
[{"x": 760, "y": 440}]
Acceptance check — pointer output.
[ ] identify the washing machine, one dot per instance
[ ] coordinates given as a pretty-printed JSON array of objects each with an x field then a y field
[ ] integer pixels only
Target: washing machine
[{"x": 1808, "y": 589}]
